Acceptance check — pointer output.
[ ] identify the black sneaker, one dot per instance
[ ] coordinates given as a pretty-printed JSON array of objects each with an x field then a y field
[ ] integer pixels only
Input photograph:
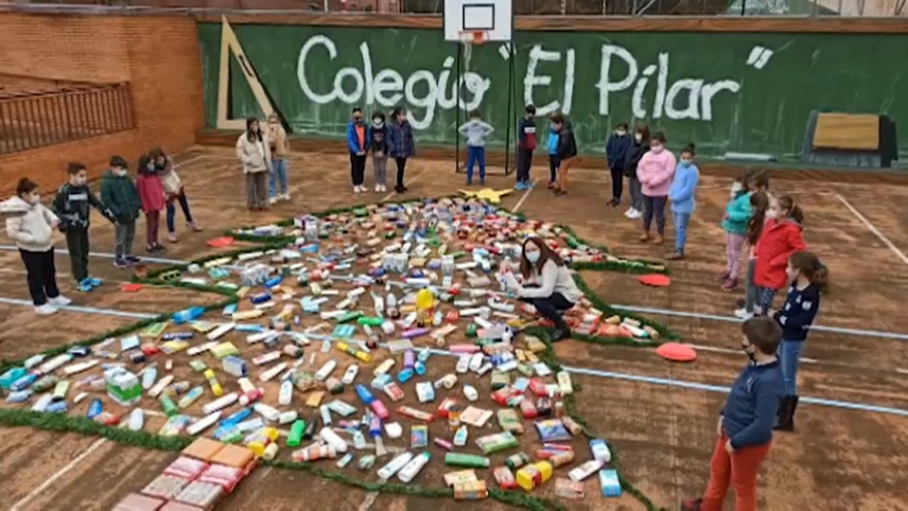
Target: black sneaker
[
  {"x": 399, "y": 189},
  {"x": 560, "y": 334},
  {"x": 159, "y": 248},
  {"x": 132, "y": 259},
  {"x": 120, "y": 262}
]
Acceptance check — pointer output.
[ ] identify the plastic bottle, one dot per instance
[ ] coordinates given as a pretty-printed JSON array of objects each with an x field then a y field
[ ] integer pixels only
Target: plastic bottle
[
  {"x": 395, "y": 465},
  {"x": 136, "y": 420},
  {"x": 364, "y": 395},
  {"x": 470, "y": 392},
  {"x": 187, "y": 315},
  {"x": 168, "y": 406},
  {"x": 286, "y": 393},
  {"x": 296, "y": 433},
  {"x": 412, "y": 469}
]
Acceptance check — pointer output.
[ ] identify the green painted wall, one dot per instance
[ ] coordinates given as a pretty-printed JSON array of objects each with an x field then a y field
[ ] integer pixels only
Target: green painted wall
[{"x": 726, "y": 92}]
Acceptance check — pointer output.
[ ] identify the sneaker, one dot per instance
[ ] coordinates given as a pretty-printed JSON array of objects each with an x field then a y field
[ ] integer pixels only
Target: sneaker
[
  {"x": 730, "y": 285},
  {"x": 644, "y": 237},
  {"x": 559, "y": 193},
  {"x": 560, "y": 334},
  {"x": 59, "y": 301},
  {"x": 743, "y": 314},
  {"x": 520, "y": 186},
  {"x": 628, "y": 212},
  {"x": 691, "y": 504},
  {"x": 95, "y": 282},
  {"x": 84, "y": 286},
  {"x": 172, "y": 237},
  {"x": 469, "y": 183},
  {"x": 194, "y": 226},
  {"x": 132, "y": 260},
  {"x": 659, "y": 240},
  {"x": 676, "y": 256},
  {"x": 150, "y": 249},
  {"x": 634, "y": 214},
  {"x": 399, "y": 189},
  {"x": 384, "y": 188},
  {"x": 377, "y": 188},
  {"x": 722, "y": 277},
  {"x": 121, "y": 262},
  {"x": 45, "y": 310},
  {"x": 272, "y": 200},
  {"x": 355, "y": 189},
  {"x": 285, "y": 196},
  {"x": 551, "y": 185}
]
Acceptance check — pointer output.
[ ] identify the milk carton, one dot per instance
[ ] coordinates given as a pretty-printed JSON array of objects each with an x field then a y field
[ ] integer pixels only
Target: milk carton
[{"x": 123, "y": 387}]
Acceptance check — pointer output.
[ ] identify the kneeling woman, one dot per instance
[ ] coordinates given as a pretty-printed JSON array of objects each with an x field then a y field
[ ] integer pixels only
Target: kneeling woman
[{"x": 548, "y": 284}]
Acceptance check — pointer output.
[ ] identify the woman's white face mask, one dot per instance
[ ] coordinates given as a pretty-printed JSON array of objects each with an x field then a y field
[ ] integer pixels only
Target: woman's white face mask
[{"x": 532, "y": 255}]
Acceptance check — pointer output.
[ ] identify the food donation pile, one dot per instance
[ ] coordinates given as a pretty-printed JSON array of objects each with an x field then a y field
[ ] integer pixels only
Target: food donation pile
[{"x": 381, "y": 339}]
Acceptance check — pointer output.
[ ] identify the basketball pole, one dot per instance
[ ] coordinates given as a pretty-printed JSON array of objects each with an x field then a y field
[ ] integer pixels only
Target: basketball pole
[
  {"x": 458, "y": 77},
  {"x": 511, "y": 110}
]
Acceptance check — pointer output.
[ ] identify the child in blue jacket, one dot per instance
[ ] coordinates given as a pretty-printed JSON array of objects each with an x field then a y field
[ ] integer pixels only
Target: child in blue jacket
[
  {"x": 357, "y": 140},
  {"x": 615, "y": 154},
  {"x": 683, "y": 197},
  {"x": 551, "y": 143}
]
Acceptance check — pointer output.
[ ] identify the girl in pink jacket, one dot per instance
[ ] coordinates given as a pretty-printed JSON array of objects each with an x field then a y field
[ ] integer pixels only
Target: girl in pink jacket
[{"x": 655, "y": 172}]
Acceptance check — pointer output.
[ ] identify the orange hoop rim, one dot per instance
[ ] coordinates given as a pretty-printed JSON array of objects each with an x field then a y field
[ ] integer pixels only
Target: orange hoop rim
[{"x": 473, "y": 36}]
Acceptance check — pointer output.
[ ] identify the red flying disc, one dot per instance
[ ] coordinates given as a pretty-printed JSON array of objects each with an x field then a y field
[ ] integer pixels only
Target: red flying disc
[
  {"x": 655, "y": 280},
  {"x": 676, "y": 352},
  {"x": 222, "y": 242},
  {"x": 130, "y": 287}
]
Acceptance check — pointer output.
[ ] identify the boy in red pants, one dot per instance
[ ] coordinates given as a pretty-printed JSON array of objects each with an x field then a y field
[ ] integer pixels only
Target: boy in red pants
[{"x": 745, "y": 424}]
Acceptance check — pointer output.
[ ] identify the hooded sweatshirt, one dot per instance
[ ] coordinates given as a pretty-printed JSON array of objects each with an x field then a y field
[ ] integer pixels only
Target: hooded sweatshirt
[
  {"x": 655, "y": 172},
  {"x": 29, "y": 225},
  {"x": 476, "y": 132},
  {"x": 780, "y": 239}
]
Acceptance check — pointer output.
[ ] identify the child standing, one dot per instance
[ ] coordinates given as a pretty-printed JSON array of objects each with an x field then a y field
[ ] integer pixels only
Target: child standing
[
  {"x": 615, "y": 155},
  {"x": 567, "y": 151},
  {"x": 655, "y": 172},
  {"x": 119, "y": 195},
  {"x": 356, "y": 141},
  {"x": 809, "y": 278},
  {"x": 683, "y": 196},
  {"x": 635, "y": 151},
  {"x": 759, "y": 204},
  {"x": 737, "y": 217},
  {"x": 745, "y": 424},
  {"x": 31, "y": 226},
  {"x": 526, "y": 144},
  {"x": 280, "y": 147},
  {"x": 151, "y": 192},
  {"x": 378, "y": 144},
  {"x": 173, "y": 189},
  {"x": 401, "y": 144},
  {"x": 780, "y": 239},
  {"x": 476, "y": 131},
  {"x": 72, "y": 205},
  {"x": 551, "y": 143}
]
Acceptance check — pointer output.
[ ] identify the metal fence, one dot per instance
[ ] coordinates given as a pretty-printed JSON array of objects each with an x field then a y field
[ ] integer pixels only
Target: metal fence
[
  {"x": 845, "y": 8},
  {"x": 33, "y": 120}
]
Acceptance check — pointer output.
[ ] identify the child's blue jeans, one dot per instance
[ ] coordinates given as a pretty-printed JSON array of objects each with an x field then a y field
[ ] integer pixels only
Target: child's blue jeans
[
  {"x": 172, "y": 212},
  {"x": 279, "y": 172},
  {"x": 789, "y": 357},
  {"x": 681, "y": 220},
  {"x": 476, "y": 155}
]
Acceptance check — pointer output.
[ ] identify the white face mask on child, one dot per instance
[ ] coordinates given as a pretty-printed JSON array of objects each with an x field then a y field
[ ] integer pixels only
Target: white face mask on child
[
  {"x": 638, "y": 137},
  {"x": 736, "y": 188}
]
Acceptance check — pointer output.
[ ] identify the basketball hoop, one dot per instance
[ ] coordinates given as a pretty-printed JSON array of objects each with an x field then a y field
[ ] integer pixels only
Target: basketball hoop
[{"x": 469, "y": 38}]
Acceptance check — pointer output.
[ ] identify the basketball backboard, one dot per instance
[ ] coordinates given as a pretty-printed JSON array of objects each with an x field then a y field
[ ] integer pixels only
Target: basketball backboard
[{"x": 495, "y": 18}]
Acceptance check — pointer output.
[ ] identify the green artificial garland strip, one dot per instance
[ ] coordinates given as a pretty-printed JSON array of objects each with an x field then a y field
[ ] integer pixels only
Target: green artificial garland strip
[{"x": 142, "y": 439}]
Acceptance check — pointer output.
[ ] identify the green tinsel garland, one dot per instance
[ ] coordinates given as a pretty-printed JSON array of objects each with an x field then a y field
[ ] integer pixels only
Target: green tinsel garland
[{"x": 142, "y": 439}]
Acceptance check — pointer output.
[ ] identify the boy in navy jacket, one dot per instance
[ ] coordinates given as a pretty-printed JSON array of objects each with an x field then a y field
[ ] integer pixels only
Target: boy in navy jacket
[
  {"x": 615, "y": 154},
  {"x": 526, "y": 144},
  {"x": 746, "y": 423},
  {"x": 357, "y": 141}
]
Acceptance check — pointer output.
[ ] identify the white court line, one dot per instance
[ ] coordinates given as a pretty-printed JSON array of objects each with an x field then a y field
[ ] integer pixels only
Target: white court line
[
  {"x": 901, "y": 255},
  {"x": 58, "y": 474},
  {"x": 525, "y": 195},
  {"x": 368, "y": 501},
  {"x": 406, "y": 183},
  {"x": 190, "y": 160}
]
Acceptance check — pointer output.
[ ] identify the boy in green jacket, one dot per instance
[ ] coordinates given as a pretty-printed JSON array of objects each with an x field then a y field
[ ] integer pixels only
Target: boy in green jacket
[
  {"x": 737, "y": 216},
  {"x": 119, "y": 194}
]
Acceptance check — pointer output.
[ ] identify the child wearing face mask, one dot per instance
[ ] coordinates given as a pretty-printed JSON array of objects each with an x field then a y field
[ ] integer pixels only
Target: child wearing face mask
[
  {"x": 31, "y": 226},
  {"x": 72, "y": 205},
  {"x": 655, "y": 171},
  {"x": 683, "y": 196},
  {"x": 635, "y": 151},
  {"x": 378, "y": 144},
  {"x": 615, "y": 154},
  {"x": 401, "y": 144},
  {"x": 476, "y": 131},
  {"x": 174, "y": 191},
  {"x": 737, "y": 217},
  {"x": 357, "y": 136},
  {"x": 151, "y": 192},
  {"x": 781, "y": 237},
  {"x": 526, "y": 144},
  {"x": 759, "y": 206},
  {"x": 808, "y": 277},
  {"x": 119, "y": 195}
]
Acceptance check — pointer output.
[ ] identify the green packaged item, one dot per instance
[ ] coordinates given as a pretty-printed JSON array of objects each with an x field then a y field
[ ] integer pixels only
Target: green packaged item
[
  {"x": 458, "y": 254},
  {"x": 350, "y": 316},
  {"x": 509, "y": 421},
  {"x": 472, "y": 328},
  {"x": 388, "y": 235},
  {"x": 454, "y": 459},
  {"x": 360, "y": 212},
  {"x": 296, "y": 433},
  {"x": 525, "y": 369},
  {"x": 370, "y": 320},
  {"x": 168, "y": 406},
  {"x": 497, "y": 442},
  {"x": 233, "y": 437},
  {"x": 500, "y": 380},
  {"x": 198, "y": 365},
  {"x": 516, "y": 461}
]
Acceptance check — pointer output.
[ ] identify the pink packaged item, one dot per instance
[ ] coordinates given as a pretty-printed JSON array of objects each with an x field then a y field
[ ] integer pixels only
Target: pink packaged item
[
  {"x": 179, "y": 506},
  {"x": 203, "y": 495},
  {"x": 226, "y": 477},
  {"x": 185, "y": 467},
  {"x": 165, "y": 486},
  {"x": 136, "y": 502}
]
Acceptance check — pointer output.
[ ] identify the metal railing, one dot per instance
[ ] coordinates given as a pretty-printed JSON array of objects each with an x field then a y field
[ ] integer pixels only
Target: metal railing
[{"x": 33, "y": 120}]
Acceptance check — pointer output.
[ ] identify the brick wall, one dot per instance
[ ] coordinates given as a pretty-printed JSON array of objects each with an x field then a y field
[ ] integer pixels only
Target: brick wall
[{"x": 157, "y": 55}]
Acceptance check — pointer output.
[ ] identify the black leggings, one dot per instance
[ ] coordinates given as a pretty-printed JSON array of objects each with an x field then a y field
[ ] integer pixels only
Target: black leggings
[
  {"x": 654, "y": 206},
  {"x": 401, "y": 166},
  {"x": 551, "y": 307},
  {"x": 617, "y": 183},
  {"x": 41, "y": 275}
]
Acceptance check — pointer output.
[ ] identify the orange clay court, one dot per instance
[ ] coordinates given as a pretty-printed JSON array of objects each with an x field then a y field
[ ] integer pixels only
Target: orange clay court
[{"x": 660, "y": 416}]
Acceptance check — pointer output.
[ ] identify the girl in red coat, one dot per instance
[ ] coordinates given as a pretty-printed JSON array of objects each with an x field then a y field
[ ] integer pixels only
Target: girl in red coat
[
  {"x": 780, "y": 239},
  {"x": 151, "y": 192}
]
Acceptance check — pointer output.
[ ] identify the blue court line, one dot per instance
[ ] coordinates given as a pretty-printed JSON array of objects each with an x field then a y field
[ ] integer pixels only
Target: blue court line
[
  {"x": 85, "y": 310},
  {"x": 732, "y": 319},
  {"x": 725, "y": 390},
  {"x": 105, "y": 255}
]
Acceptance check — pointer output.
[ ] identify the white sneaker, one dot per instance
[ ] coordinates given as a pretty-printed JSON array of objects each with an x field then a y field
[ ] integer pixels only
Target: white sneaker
[
  {"x": 355, "y": 189},
  {"x": 384, "y": 188},
  {"x": 285, "y": 197},
  {"x": 634, "y": 214},
  {"x": 60, "y": 301},
  {"x": 377, "y": 188},
  {"x": 743, "y": 314},
  {"x": 45, "y": 310},
  {"x": 272, "y": 200},
  {"x": 628, "y": 212}
]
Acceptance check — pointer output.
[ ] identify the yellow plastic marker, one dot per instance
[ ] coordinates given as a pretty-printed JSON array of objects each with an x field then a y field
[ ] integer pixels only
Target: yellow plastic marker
[
  {"x": 350, "y": 350},
  {"x": 216, "y": 388}
]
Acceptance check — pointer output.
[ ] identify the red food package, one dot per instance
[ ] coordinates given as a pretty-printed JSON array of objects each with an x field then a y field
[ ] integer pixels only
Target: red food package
[
  {"x": 528, "y": 409},
  {"x": 185, "y": 467},
  {"x": 505, "y": 478},
  {"x": 136, "y": 502},
  {"x": 445, "y": 406},
  {"x": 537, "y": 387},
  {"x": 502, "y": 395},
  {"x": 226, "y": 477},
  {"x": 453, "y": 316}
]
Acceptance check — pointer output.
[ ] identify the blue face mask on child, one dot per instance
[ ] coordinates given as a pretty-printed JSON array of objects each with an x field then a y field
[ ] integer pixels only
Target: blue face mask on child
[{"x": 532, "y": 257}]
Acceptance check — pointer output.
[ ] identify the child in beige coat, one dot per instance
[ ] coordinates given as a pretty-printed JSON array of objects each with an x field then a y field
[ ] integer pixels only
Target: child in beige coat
[{"x": 254, "y": 151}]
